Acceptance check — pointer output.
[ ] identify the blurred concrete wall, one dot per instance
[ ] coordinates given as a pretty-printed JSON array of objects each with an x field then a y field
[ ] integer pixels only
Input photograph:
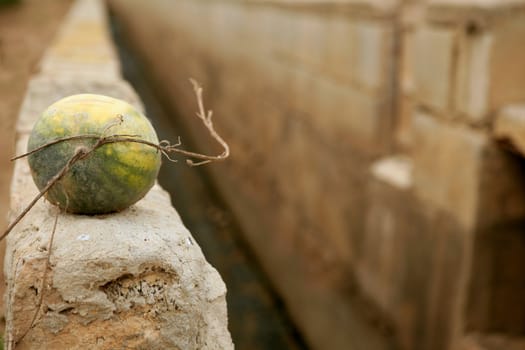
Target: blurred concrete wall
[{"x": 364, "y": 165}]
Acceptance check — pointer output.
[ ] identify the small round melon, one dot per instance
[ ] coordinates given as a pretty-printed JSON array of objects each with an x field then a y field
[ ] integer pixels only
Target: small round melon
[{"x": 110, "y": 179}]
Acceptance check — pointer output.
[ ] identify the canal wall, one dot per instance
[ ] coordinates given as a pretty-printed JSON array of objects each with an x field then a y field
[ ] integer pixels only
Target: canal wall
[{"x": 376, "y": 162}]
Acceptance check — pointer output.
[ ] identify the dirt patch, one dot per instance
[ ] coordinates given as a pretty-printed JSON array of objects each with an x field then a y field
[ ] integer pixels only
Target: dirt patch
[{"x": 26, "y": 29}]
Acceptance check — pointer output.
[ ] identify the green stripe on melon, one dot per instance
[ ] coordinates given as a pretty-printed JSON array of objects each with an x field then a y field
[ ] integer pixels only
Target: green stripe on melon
[{"x": 115, "y": 175}]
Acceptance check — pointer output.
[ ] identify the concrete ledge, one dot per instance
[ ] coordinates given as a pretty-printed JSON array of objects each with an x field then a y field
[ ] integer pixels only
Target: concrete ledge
[
  {"x": 479, "y": 12},
  {"x": 82, "y": 47},
  {"x": 374, "y": 8},
  {"x": 510, "y": 126},
  {"x": 491, "y": 342},
  {"x": 394, "y": 170},
  {"x": 135, "y": 279}
]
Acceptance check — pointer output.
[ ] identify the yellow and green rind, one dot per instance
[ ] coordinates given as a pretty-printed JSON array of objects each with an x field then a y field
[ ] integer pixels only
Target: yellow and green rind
[{"x": 115, "y": 175}]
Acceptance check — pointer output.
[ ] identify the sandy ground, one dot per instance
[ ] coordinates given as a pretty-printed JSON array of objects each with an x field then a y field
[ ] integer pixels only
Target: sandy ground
[{"x": 26, "y": 29}]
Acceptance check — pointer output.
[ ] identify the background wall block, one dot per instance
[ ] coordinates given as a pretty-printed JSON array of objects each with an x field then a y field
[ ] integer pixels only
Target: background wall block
[
  {"x": 453, "y": 167},
  {"x": 509, "y": 126},
  {"x": 433, "y": 66}
]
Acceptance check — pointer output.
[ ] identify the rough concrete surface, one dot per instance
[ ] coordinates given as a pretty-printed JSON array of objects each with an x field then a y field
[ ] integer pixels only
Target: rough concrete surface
[
  {"x": 492, "y": 342},
  {"x": 82, "y": 47},
  {"x": 510, "y": 126},
  {"x": 135, "y": 279}
]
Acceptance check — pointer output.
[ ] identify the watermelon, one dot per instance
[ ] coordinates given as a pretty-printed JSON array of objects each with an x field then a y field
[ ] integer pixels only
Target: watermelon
[{"x": 113, "y": 176}]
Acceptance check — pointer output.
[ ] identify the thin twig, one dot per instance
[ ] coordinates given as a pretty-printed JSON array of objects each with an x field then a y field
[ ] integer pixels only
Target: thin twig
[
  {"x": 68, "y": 138},
  {"x": 54, "y": 142},
  {"x": 44, "y": 277},
  {"x": 206, "y": 119},
  {"x": 80, "y": 153}
]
